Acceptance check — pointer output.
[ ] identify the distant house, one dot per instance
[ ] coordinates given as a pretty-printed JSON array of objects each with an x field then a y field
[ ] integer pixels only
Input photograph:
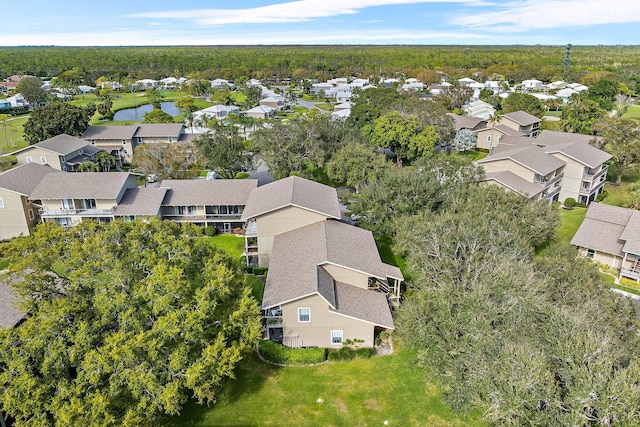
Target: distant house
[
  {"x": 121, "y": 141},
  {"x": 84, "y": 89},
  {"x": 217, "y": 202},
  {"x": 466, "y": 122},
  {"x": 327, "y": 284},
  {"x": 282, "y": 206},
  {"x": 521, "y": 121},
  {"x": 18, "y": 214},
  {"x": 220, "y": 83},
  {"x": 260, "y": 112},
  {"x": 479, "y": 109},
  {"x": 145, "y": 84},
  {"x": 276, "y": 102},
  {"x": 215, "y": 112},
  {"x": 532, "y": 84},
  {"x": 62, "y": 152},
  {"x": 611, "y": 235},
  {"x": 69, "y": 198}
]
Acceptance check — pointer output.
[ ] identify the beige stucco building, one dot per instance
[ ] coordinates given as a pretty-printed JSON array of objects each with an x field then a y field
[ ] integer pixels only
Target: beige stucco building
[
  {"x": 62, "y": 152},
  {"x": 282, "y": 206},
  {"x": 18, "y": 214}
]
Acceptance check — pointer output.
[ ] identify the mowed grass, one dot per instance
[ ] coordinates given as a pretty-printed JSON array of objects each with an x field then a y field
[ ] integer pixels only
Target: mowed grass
[
  {"x": 231, "y": 244},
  {"x": 632, "y": 113},
  {"x": 357, "y": 393},
  {"x": 570, "y": 221},
  {"x": 15, "y": 134}
]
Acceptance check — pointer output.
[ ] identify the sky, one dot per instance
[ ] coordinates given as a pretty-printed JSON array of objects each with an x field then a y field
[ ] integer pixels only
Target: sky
[{"x": 264, "y": 22}]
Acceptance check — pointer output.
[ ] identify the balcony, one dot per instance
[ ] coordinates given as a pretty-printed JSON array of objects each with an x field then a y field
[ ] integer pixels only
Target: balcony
[
  {"x": 46, "y": 213},
  {"x": 635, "y": 275},
  {"x": 593, "y": 177},
  {"x": 251, "y": 229}
]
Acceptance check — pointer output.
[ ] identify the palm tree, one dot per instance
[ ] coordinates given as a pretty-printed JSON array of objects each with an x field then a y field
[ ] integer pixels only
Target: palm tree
[
  {"x": 105, "y": 160},
  {"x": 493, "y": 121},
  {"x": 87, "y": 167}
]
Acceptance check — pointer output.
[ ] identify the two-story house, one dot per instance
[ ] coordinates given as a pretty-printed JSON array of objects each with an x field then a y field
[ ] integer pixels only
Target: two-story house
[
  {"x": 62, "y": 152},
  {"x": 282, "y": 206},
  {"x": 525, "y": 169},
  {"x": 327, "y": 284},
  {"x": 585, "y": 172},
  {"x": 217, "y": 202},
  {"x": 17, "y": 213},
  {"x": 527, "y": 124},
  {"x": 610, "y": 235},
  {"x": 69, "y": 198}
]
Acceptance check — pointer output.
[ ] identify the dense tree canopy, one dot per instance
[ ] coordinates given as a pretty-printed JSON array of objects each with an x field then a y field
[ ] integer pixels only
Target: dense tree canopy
[
  {"x": 403, "y": 135},
  {"x": 55, "y": 119},
  {"x": 126, "y": 322},
  {"x": 32, "y": 90},
  {"x": 222, "y": 150},
  {"x": 523, "y": 102},
  {"x": 356, "y": 164},
  {"x": 526, "y": 342},
  {"x": 621, "y": 139},
  {"x": 168, "y": 161}
]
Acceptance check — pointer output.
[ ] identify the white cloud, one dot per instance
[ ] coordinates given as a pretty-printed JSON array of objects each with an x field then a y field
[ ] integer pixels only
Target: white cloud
[
  {"x": 293, "y": 11},
  {"x": 540, "y": 14},
  {"x": 163, "y": 38}
]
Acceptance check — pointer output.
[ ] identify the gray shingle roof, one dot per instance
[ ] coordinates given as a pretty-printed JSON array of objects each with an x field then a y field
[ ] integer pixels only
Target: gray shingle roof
[
  {"x": 200, "y": 192},
  {"x": 582, "y": 152},
  {"x": 61, "y": 144},
  {"x": 531, "y": 157},
  {"x": 550, "y": 137},
  {"x": 159, "y": 130},
  {"x": 25, "y": 178},
  {"x": 363, "y": 304},
  {"x": 9, "y": 313},
  {"x": 141, "y": 202},
  {"x": 293, "y": 191},
  {"x": 81, "y": 185},
  {"x": 298, "y": 254},
  {"x": 465, "y": 122},
  {"x": 609, "y": 229},
  {"x": 515, "y": 183},
  {"x": 522, "y": 118},
  {"x": 110, "y": 132}
]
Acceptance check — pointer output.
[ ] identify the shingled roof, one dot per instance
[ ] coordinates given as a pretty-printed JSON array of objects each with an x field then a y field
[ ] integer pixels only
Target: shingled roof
[
  {"x": 201, "y": 192},
  {"x": 522, "y": 118},
  {"x": 81, "y": 185},
  {"x": 609, "y": 229},
  {"x": 25, "y": 178},
  {"x": 296, "y": 269},
  {"x": 293, "y": 191},
  {"x": 10, "y": 315},
  {"x": 515, "y": 183},
  {"x": 61, "y": 144},
  {"x": 141, "y": 202},
  {"x": 529, "y": 156}
]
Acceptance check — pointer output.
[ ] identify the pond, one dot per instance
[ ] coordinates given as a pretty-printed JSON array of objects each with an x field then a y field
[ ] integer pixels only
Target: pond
[{"x": 137, "y": 114}]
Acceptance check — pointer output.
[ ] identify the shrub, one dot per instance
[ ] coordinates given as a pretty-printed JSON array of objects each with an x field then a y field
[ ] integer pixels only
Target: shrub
[
  {"x": 569, "y": 203},
  {"x": 365, "y": 352},
  {"x": 602, "y": 196},
  {"x": 248, "y": 269},
  {"x": 238, "y": 231},
  {"x": 341, "y": 354},
  {"x": 277, "y": 353},
  {"x": 259, "y": 271},
  {"x": 210, "y": 230},
  {"x": 241, "y": 175},
  {"x": 629, "y": 283}
]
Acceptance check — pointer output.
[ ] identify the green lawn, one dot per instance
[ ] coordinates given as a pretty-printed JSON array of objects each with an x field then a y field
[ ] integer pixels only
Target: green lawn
[
  {"x": 390, "y": 256},
  {"x": 357, "y": 393},
  {"x": 633, "y": 113},
  {"x": 256, "y": 285},
  {"x": 570, "y": 220},
  {"x": 229, "y": 243},
  {"x": 15, "y": 135}
]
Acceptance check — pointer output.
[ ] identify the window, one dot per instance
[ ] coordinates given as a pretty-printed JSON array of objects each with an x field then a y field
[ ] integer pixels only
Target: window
[
  {"x": 43, "y": 160},
  {"x": 31, "y": 216},
  {"x": 586, "y": 185},
  {"x": 488, "y": 138},
  {"x": 336, "y": 337},
  {"x": 304, "y": 314},
  {"x": 591, "y": 253},
  {"x": 1, "y": 203},
  {"x": 29, "y": 159}
]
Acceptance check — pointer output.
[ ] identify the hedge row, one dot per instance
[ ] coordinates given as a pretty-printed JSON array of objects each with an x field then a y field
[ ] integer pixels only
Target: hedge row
[
  {"x": 348, "y": 353},
  {"x": 276, "y": 353}
]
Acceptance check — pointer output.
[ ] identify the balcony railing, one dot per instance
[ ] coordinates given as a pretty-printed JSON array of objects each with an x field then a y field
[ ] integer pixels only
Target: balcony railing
[
  {"x": 630, "y": 274},
  {"x": 251, "y": 229},
  {"x": 596, "y": 176},
  {"x": 44, "y": 212}
]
